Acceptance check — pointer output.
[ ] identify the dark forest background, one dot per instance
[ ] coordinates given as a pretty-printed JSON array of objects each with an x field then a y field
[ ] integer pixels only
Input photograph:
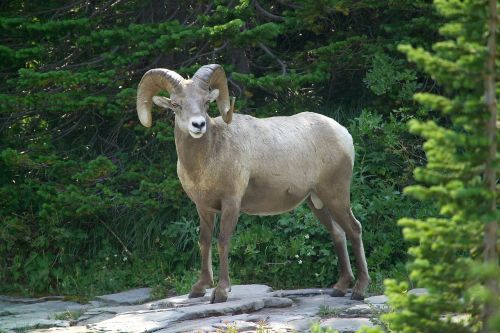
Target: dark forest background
[{"x": 89, "y": 199}]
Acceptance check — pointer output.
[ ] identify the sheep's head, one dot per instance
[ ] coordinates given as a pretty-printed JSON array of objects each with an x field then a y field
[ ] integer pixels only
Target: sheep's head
[{"x": 189, "y": 99}]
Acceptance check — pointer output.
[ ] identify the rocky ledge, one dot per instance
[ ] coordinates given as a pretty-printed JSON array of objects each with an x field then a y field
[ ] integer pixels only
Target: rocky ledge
[{"x": 248, "y": 309}]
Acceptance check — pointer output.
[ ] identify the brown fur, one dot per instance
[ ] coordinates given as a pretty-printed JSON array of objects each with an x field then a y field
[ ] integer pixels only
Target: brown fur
[
  {"x": 256, "y": 166},
  {"x": 270, "y": 166}
]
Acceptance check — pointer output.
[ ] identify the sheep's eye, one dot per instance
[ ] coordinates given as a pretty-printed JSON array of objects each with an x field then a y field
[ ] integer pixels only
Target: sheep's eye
[{"x": 175, "y": 105}]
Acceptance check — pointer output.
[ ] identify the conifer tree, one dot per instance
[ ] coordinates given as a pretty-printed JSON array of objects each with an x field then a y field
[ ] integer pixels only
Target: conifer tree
[{"x": 460, "y": 177}]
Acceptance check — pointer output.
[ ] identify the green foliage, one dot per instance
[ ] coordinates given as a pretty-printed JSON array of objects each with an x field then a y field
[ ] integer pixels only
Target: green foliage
[
  {"x": 69, "y": 315},
  {"x": 385, "y": 78},
  {"x": 84, "y": 186},
  {"x": 447, "y": 246},
  {"x": 327, "y": 312},
  {"x": 316, "y": 328}
]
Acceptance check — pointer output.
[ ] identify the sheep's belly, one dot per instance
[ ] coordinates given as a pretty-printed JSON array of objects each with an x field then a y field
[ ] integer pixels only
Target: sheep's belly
[{"x": 272, "y": 201}]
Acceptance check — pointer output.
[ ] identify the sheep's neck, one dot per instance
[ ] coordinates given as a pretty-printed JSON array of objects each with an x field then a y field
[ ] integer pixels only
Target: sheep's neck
[{"x": 193, "y": 153}]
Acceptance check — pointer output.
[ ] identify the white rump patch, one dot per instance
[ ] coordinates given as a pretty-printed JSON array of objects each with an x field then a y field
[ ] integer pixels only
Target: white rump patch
[{"x": 318, "y": 204}]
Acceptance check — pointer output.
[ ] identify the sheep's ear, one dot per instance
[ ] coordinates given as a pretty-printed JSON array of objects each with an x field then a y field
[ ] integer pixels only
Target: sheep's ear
[
  {"x": 212, "y": 96},
  {"x": 163, "y": 102}
]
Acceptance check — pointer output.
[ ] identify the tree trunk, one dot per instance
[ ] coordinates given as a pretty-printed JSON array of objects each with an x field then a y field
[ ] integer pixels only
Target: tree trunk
[{"x": 491, "y": 228}]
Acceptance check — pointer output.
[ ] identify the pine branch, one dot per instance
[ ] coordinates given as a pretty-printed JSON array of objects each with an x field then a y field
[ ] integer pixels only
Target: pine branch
[
  {"x": 264, "y": 12},
  {"x": 278, "y": 60}
]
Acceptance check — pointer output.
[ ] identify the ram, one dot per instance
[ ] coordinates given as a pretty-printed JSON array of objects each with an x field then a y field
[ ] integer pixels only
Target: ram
[{"x": 237, "y": 163}]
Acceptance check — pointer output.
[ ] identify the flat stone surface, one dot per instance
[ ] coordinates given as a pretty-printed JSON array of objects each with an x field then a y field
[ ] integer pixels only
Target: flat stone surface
[
  {"x": 26, "y": 300},
  {"x": 177, "y": 302},
  {"x": 358, "y": 310},
  {"x": 246, "y": 290},
  {"x": 45, "y": 307},
  {"x": 206, "y": 325},
  {"x": 249, "y": 308},
  {"x": 277, "y": 302},
  {"x": 302, "y": 292},
  {"x": 300, "y": 323},
  {"x": 344, "y": 325},
  {"x": 24, "y": 322},
  {"x": 140, "y": 321},
  {"x": 237, "y": 292},
  {"x": 381, "y": 299},
  {"x": 310, "y": 306},
  {"x": 18, "y": 315},
  {"x": 238, "y": 325},
  {"x": 73, "y": 329},
  {"x": 219, "y": 309},
  {"x": 378, "y": 303},
  {"x": 21, "y": 323},
  {"x": 129, "y": 297}
]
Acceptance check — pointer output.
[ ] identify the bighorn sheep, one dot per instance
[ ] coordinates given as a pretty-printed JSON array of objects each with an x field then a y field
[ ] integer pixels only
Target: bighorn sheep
[{"x": 266, "y": 166}]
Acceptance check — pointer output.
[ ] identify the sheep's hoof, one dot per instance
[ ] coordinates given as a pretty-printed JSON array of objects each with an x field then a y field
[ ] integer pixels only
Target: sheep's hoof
[
  {"x": 196, "y": 294},
  {"x": 337, "y": 293},
  {"x": 357, "y": 296},
  {"x": 219, "y": 295}
]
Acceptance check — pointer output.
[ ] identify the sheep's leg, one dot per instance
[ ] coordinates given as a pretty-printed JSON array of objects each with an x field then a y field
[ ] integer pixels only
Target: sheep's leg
[
  {"x": 229, "y": 218},
  {"x": 206, "y": 277},
  {"x": 340, "y": 245},
  {"x": 342, "y": 214}
]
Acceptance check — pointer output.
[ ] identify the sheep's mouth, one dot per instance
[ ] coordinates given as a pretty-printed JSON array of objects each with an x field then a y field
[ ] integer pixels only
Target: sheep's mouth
[{"x": 196, "y": 134}]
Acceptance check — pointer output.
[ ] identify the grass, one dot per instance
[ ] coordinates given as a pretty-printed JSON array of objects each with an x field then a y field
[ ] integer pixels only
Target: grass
[
  {"x": 82, "y": 299},
  {"x": 327, "y": 312},
  {"x": 29, "y": 328},
  {"x": 173, "y": 285},
  {"x": 316, "y": 328},
  {"x": 231, "y": 328},
  {"x": 69, "y": 315}
]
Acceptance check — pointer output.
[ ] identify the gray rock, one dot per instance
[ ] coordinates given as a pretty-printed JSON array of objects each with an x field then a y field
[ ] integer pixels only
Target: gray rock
[
  {"x": 24, "y": 322},
  {"x": 381, "y": 299},
  {"x": 249, "y": 307},
  {"x": 311, "y": 305},
  {"x": 277, "y": 302},
  {"x": 284, "y": 322},
  {"x": 73, "y": 329},
  {"x": 358, "y": 310},
  {"x": 25, "y": 300},
  {"x": 129, "y": 297},
  {"x": 177, "y": 302},
  {"x": 219, "y": 309},
  {"x": 92, "y": 319},
  {"x": 302, "y": 292},
  {"x": 159, "y": 319},
  {"x": 247, "y": 290},
  {"x": 347, "y": 325},
  {"x": 378, "y": 303},
  {"x": 238, "y": 325},
  {"x": 205, "y": 325},
  {"x": 237, "y": 292},
  {"x": 24, "y": 315},
  {"x": 140, "y": 321},
  {"x": 45, "y": 307}
]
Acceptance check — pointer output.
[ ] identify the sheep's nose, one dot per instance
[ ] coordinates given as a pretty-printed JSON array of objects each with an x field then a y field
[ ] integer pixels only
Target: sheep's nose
[{"x": 198, "y": 124}]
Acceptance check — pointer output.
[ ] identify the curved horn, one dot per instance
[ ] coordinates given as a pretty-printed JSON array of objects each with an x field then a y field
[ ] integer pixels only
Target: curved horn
[
  {"x": 152, "y": 82},
  {"x": 213, "y": 77}
]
